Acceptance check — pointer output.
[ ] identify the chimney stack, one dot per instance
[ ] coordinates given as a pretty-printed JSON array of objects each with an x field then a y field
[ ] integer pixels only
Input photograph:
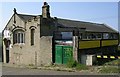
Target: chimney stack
[{"x": 45, "y": 10}]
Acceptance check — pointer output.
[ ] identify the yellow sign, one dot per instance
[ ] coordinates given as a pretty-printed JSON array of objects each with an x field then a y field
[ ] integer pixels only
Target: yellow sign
[
  {"x": 109, "y": 42},
  {"x": 89, "y": 44}
]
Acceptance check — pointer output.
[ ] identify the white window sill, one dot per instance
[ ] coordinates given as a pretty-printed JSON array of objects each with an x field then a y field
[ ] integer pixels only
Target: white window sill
[{"x": 19, "y": 44}]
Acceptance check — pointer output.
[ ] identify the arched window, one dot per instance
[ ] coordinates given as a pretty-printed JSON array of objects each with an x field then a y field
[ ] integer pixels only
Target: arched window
[
  {"x": 18, "y": 36},
  {"x": 32, "y": 36}
]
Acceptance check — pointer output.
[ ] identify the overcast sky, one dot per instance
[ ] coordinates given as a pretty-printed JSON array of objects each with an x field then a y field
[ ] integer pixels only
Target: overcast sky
[{"x": 97, "y": 12}]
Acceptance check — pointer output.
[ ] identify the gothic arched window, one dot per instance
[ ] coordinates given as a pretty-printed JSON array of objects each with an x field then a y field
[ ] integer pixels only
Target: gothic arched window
[
  {"x": 18, "y": 36},
  {"x": 32, "y": 36}
]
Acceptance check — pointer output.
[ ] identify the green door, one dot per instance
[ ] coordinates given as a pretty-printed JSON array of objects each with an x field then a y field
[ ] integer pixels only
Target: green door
[
  {"x": 58, "y": 54},
  {"x": 67, "y": 53},
  {"x": 63, "y": 54}
]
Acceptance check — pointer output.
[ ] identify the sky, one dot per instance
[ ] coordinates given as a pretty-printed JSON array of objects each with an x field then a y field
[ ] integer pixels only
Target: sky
[
  {"x": 119, "y": 17},
  {"x": 96, "y": 12}
]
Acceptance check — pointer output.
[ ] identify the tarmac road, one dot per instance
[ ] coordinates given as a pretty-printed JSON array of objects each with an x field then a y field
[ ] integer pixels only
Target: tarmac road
[{"x": 26, "y": 71}]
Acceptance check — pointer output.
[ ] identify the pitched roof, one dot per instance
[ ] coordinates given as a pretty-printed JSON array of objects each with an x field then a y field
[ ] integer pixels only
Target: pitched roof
[
  {"x": 95, "y": 27},
  {"x": 26, "y": 17}
]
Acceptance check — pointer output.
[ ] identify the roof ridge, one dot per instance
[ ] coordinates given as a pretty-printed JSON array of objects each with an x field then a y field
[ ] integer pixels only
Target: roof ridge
[
  {"x": 80, "y": 21},
  {"x": 26, "y": 17},
  {"x": 27, "y": 14},
  {"x": 109, "y": 27},
  {"x": 96, "y": 27}
]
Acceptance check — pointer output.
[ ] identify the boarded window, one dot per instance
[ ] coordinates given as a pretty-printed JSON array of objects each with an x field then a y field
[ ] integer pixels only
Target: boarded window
[{"x": 32, "y": 36}]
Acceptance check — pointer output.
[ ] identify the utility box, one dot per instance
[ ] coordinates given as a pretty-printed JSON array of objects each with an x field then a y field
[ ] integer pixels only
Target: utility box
[{"x": 88, "y": 59}]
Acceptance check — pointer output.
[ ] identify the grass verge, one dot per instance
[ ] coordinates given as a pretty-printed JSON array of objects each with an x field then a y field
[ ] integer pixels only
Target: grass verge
[
  {"x": 113, "y": 63},
  {"x": 109, "y": 69},
  {"x": 73, "y": 64}
]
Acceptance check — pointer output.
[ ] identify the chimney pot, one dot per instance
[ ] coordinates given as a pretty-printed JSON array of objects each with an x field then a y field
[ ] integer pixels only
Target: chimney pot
[{"x": 45, "y": 3}]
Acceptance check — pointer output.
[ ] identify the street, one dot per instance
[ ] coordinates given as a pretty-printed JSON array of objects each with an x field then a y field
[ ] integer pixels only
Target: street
[{"x": 26, "y": 71}]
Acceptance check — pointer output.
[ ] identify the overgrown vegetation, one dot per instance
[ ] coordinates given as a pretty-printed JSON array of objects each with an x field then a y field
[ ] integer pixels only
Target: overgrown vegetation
[
  {"x": 101, "y": 61},
  {"x": 113, "y": 63},
  {"x": 73, "y": 64},
  {"x": 109, "y": 69},
  {"x": 81, "y": 67}
]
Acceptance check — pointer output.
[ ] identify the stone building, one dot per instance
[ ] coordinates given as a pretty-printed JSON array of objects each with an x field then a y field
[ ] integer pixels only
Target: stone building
[{"x": 43, "y": 40}]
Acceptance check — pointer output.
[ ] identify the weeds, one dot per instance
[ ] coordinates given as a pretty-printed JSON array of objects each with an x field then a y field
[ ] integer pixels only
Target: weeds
[
  {"x": 109, "y": 69},
  {"x": 74, "y": 64}
]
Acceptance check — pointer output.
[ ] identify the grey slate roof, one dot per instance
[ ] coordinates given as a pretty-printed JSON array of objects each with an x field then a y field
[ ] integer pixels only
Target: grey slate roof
[
  {"x": 93, "y": 27},
  {"x": 26, "y": 17}
]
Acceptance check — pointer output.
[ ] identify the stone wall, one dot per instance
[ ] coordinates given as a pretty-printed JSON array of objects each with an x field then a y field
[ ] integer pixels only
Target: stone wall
[
  {"x": 25, "y": 54},
  {"x": 45, "y": 54},
  {"x": 38, "y": 54}
]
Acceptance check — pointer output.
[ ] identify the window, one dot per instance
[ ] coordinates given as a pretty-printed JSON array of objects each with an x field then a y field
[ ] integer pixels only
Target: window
[
  {"x": 67, "y": 35},
  {"x": 105, "y": 36},
  {"x": 32, "y": 36},
  {"x": 18, "y": 36},
  {"x": 84, "y": 36},
  {"x": 113, "y": 36},
  {"x": 99, "y": 36},
  {"x": 91, "y": 36}
]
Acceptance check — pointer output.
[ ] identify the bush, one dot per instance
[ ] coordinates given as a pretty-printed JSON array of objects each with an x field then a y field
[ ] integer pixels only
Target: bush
[
  {"x": 81, "y": 67},
  {"x": 71, "y": 63},
  {"x": 74, "y": 64}
]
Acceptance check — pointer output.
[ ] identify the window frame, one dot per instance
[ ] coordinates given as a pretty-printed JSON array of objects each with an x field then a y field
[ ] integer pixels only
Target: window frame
[
  {"x": 32, "y": 36},
  {"x": 18, "y": 37}
]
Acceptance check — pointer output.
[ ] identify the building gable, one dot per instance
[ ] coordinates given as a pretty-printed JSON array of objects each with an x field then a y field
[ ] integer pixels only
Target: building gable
[{"x": 11, "y": 25}]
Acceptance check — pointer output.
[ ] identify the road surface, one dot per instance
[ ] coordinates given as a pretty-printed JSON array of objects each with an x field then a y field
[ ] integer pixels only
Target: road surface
[{"x": 26, "y": 71}]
